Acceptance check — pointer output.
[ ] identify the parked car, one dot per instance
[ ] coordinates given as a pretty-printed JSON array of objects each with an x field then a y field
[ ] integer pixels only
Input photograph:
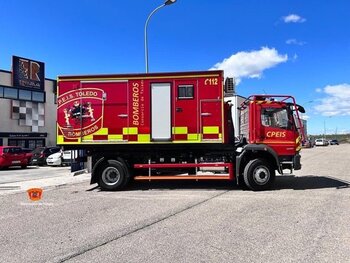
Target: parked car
[
  {"x": 28, "y": 153},
  {"x": 60, "y": 158},
  {"x": 307, "y": 144},
  {"x": 321, "y": 142},
  {"x": 334, "y": 142},
  {"x": 12, "y": 156},
  {"x": 40, "y": 154}
]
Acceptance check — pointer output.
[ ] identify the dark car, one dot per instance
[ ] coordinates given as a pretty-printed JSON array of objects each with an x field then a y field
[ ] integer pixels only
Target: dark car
[
  {"x": 334, "y": 142},
  {"x": 28, "y": 153},
  {"x": 12, "y": 156},
  {"x": 40, "y": 154}
]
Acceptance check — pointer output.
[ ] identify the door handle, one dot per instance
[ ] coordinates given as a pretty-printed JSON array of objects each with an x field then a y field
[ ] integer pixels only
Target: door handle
[
  {"x": 123, "y": 115},
  {"x": 178, "y": 109},
  {"x": 205, "y": 114}
]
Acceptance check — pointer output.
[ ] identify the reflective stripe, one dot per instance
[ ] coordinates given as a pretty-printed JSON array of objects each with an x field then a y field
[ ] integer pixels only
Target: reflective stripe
[
  {"x": 102, "y": 131},
  {"x": 130, "y": 131},
  {"x": 210, "y": 129},
  {"x": 115, "y": 137},
  {"x": 298, "y": 140},
  {"x": 88, "y": 138},
  {"x": 193, "y": 137},
  {"x": 62, "y": 140},
  {"x": 180, "y": 130},
  {"x": 144, "y": 138}
]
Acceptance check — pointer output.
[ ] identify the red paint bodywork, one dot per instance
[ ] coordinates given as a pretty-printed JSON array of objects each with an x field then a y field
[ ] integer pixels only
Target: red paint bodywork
[
  {"x": 284, "y": 141},
  {"x": 120, "y": 102}
]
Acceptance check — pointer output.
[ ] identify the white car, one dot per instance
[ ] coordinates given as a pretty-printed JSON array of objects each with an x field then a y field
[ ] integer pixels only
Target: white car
[
  {"x": 60, "y": 158},
  {"x": 321, "y": 142}
]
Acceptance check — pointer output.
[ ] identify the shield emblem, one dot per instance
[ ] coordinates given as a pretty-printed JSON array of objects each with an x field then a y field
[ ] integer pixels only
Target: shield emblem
[
  {"x": 80, "y": 112},
  {"x": 35, "y": 194}
]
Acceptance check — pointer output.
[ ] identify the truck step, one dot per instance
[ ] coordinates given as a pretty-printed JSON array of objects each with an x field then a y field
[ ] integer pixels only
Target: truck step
[
  {"x": 198, "y": 175},
  {"x": 181, "y": 177}
]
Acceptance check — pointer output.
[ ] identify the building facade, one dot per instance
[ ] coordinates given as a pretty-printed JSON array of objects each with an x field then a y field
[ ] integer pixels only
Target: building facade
[{"x": 27, "y": 105}]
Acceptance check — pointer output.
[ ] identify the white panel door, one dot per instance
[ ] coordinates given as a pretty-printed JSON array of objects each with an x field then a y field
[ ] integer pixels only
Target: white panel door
[{"x": 161, "y": 111}]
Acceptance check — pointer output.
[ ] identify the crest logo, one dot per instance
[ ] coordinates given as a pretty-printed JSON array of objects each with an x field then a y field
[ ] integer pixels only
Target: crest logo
[
  {"x": 35, "y": 194},
  {"x": 80, "y": 112}
]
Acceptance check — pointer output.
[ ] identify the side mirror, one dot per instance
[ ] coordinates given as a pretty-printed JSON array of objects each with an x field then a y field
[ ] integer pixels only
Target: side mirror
[{"x": 301, "y": 109}]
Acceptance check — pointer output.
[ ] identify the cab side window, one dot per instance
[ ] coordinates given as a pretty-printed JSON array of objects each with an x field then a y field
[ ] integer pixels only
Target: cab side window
[{"x": 275, "y": 118}]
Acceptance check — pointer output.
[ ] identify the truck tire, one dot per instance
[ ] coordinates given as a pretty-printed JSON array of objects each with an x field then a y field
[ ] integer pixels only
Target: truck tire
[
  {"x": 113, "y": 175},
  {"x": 258, "y": 175}
]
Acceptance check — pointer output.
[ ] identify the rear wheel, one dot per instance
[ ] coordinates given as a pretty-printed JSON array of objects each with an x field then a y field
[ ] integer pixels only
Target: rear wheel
[
  {"x": 113, "y": 175},
  {"x": 258, "y": 175}
]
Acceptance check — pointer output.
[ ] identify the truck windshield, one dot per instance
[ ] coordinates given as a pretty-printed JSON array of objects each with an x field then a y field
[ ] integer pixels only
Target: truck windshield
[{"x": 275, "y": 117}]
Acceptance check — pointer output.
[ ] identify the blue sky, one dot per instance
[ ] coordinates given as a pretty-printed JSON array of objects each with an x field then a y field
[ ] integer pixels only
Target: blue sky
[{"x": 301, "y": 48}]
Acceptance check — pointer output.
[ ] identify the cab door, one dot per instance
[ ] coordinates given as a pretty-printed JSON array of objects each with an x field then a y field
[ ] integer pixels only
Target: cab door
[{"x": 278, "y": 129}]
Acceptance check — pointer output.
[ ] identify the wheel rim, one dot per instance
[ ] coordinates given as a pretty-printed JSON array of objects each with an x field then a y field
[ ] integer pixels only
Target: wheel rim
[
  {"x": 110, "y": 176},
  {"x": 261, "y": 175}
]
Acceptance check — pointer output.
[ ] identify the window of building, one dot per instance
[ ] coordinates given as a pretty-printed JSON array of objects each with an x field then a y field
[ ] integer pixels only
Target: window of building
[
  {"x": 21, "y": 94},
  {"x": 10, "y": 93},
  {"x": 38, "y": 96},
  {"x": 185, "y": 92},
  {"x": 27, "y": 143},
  {"x": 24, "y": 94}
]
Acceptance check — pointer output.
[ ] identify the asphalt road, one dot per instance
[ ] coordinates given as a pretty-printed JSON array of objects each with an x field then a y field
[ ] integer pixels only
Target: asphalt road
[
  {"x": 16, "y": 174},
  {"x": 305, "y": 218}
]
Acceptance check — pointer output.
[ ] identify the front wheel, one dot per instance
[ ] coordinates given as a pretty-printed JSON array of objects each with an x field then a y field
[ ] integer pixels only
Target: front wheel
[
  {"x": 258, "y": 175},
  {"x": 113, "y": 175}
]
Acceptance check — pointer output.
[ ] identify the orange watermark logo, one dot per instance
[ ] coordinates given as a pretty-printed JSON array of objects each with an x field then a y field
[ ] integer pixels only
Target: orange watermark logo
[{"x": 35, "y": 194}]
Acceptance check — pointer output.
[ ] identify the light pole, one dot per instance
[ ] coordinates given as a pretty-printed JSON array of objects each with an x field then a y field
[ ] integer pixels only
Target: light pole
[{"x": 167, "y": 2}]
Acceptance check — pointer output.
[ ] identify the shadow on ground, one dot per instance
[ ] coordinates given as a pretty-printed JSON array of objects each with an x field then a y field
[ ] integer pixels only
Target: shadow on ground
[
  {"x": 282, "y": 182},
  {"x": 309, "y": 182}
]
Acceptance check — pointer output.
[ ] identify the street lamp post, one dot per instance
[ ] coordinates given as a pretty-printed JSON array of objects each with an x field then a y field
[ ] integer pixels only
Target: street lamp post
[{"x": 167, "y": 2}]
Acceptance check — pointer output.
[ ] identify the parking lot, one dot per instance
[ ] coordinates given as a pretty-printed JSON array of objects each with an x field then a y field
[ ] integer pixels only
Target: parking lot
[{"x": 304, "y": 218}]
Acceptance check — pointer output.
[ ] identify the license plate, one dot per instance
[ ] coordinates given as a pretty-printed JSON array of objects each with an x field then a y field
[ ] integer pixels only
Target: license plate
[
  {"x": 34, "y": 160},
  {"x": 16, "y": 161}
]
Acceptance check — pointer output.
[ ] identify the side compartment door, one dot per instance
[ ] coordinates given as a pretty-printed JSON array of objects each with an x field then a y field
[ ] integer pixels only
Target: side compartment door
[
  {"x": 104, "y": 106},
  {"x": 211, "y": 114},
  {"x": 186, "y": 120},
  {"x": 161, "y": 111}
]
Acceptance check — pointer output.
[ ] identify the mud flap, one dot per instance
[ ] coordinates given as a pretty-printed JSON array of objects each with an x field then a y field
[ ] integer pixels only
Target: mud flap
[{"x": 296, "y": 162}]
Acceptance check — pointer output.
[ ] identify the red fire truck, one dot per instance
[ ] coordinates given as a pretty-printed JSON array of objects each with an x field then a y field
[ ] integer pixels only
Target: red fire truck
[{"x": 168, "y": 126}]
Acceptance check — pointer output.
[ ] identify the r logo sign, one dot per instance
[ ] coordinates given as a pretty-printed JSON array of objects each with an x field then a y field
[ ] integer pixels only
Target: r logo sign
[{"x": 28, "y": 73}]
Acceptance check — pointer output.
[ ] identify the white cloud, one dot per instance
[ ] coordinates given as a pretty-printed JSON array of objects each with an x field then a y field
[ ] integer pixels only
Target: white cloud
[
  {"x": 336, "y": 102},
  {"x": 293, "y": 18},
  {"x": 293, "y": 41},
  {"x": 304, "y": 117},
  {"x": 250, "y": 64}
]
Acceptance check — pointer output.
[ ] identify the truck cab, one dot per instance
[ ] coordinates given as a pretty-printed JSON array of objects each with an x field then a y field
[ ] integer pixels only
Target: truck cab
[{"x": 272, "y": 132}]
